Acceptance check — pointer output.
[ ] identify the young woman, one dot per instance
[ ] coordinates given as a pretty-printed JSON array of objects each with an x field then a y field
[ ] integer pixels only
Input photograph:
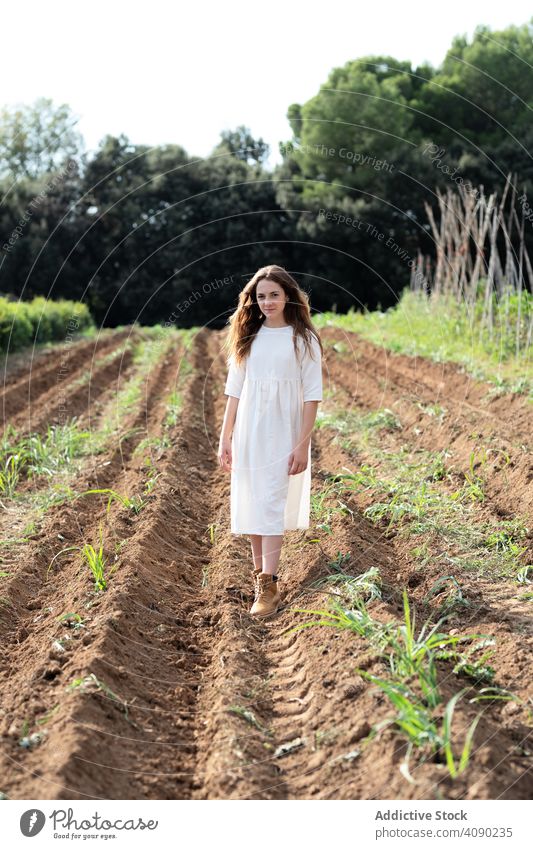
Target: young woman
[{"x": 274, "y": 384}]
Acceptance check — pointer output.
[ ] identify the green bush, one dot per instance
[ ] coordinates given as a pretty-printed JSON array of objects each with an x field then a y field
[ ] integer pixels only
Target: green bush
[
  {"x": 16, "y": 328},
  {"x": 24, "y": 323}
]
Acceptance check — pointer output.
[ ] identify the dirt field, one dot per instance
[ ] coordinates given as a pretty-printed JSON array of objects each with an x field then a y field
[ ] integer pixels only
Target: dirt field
[{"x": 170, "y": 643}]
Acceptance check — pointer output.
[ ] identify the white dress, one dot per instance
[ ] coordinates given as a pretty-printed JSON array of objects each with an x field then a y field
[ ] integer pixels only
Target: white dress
[{"x": 272, "y": 386}]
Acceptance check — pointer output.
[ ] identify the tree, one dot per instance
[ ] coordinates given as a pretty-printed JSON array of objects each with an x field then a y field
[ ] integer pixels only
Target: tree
[
  {"x": 241, "y": 144},
  {"x": 356, "y": 122},
  {"x": 483, "y": 93},
  {"x": 37, "y": 139}
]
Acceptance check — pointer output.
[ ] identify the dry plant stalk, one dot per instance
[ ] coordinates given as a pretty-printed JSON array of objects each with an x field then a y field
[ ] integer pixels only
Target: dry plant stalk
[{"x": 466, "y": 242}]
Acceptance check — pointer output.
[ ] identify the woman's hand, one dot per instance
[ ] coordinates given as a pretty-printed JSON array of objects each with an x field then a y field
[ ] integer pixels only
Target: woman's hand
[
  {"x": 224, "y": 454},
  {"x": 298, "y": 459}
]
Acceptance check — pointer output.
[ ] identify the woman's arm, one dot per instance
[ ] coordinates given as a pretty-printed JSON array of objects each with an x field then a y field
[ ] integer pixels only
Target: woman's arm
[
  {"x": 224, "y": 447},
  {"x": 311, "y": 375},
  {"x": 233, "y": 389},
  {"x": 298, "y": 458}
]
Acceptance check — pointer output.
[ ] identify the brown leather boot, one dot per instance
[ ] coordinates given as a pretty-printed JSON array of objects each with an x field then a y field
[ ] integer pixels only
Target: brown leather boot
[{"x": 267, "y": 596}]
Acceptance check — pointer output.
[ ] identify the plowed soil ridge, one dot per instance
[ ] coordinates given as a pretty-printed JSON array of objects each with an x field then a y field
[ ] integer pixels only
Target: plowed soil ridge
[
  {"x": 27, "y": 636},
  {"x": 36, "y": 389},
  {"x": 437, "y": 383},
  {"x": 502, "y": 426}
]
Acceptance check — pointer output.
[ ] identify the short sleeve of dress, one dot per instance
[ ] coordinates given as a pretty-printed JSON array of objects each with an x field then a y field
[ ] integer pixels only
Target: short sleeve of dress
[
  {"x": 235, "y": 378},
  {"x": 311, "y": 372}
]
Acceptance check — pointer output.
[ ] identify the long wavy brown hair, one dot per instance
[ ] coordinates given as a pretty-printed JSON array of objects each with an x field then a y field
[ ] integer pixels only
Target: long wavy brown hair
[{"x": 247, "y": 319}]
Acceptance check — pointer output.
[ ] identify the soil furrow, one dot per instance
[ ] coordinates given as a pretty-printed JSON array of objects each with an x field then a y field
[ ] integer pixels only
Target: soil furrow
[
  {"x": 34, "y": 673},
  {"x": 69, "y": 522},
  {"x": 332, "y": 763},
  {"x": 436, "y": 383},
  {"x": 36, "y": 385},
  {"x": 507, "y": 470}
]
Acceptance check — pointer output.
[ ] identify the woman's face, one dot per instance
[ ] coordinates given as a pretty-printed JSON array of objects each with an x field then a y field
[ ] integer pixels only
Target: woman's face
[{"x": 271, "y": 298}]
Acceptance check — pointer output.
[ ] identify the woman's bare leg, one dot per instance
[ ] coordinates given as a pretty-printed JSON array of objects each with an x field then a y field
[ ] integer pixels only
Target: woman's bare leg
[
  {"x": 271, "y": 553},
  {"x": 257, "y": 550}
]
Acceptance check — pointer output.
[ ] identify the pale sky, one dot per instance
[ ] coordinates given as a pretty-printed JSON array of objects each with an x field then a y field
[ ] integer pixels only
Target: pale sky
[{"x": 165, "y": 72}]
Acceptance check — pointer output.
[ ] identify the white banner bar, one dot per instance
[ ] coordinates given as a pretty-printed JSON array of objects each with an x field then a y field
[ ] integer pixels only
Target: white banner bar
[{"x": 384, "y": 824}]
